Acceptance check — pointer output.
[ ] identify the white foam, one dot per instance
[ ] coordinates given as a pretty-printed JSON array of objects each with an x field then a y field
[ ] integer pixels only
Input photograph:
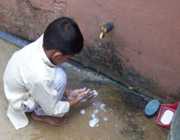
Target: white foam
[
  {"x": 102, "y": 107},
  {"x": 93, "y": 116},
  {"x": 82, "y": 111},
  {"x": 96, "y": 111},
  {"x": 94, "y": 122},
  {"x": 95, "y": 93}
]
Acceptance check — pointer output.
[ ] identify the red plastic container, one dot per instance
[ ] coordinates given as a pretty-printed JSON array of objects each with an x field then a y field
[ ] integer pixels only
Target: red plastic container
[{"x": 164, "y": 109}]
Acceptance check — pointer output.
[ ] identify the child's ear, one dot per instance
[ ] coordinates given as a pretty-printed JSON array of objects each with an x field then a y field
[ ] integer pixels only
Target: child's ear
[{"x": 58, "y": 54}]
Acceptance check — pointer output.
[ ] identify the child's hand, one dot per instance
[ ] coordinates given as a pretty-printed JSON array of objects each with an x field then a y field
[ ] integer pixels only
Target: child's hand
[
  {"x": 73, "y": 93},
  {"x": 77, "y": 95}
]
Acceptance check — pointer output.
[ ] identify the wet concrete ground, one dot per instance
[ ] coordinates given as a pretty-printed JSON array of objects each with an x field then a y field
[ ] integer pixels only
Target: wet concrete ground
[{"x": 125, "y": 122}]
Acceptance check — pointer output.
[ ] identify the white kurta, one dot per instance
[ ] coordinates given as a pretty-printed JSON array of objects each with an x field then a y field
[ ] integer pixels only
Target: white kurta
[{"x": 30, "y": 79}]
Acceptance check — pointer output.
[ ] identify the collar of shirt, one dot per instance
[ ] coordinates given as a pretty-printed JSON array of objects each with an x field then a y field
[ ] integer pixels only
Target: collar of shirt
[{"x": 42, "y": 52}]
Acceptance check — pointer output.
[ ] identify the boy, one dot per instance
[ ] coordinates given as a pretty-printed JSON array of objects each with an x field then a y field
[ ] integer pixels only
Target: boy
[{"x": 34, "y": 80}]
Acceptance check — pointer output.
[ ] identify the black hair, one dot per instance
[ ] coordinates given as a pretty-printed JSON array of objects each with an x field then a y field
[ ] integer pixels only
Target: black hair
[{"x": 64, "y": 35}]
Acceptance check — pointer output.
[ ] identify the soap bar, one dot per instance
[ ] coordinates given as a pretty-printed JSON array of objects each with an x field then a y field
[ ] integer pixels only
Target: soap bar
[{"x": 167, "y": 117}]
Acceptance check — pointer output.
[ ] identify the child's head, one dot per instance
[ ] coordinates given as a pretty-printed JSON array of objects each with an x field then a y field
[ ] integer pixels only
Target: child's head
[{"x": 62, "y": 39}]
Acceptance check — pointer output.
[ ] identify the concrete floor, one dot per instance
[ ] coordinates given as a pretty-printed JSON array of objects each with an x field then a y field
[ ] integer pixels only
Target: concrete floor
[{"x": 124, "y": 121}]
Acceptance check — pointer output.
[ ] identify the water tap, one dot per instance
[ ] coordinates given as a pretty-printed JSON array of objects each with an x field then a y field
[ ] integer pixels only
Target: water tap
[{"x": 105, "y": 28}]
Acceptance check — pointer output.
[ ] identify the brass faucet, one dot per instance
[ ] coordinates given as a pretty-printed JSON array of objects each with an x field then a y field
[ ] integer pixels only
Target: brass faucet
[{"x": 105, "y": 28}]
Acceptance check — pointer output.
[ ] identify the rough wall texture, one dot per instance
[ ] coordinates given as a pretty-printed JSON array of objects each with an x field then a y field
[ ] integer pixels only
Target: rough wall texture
[{"x": 143, "y": 49}]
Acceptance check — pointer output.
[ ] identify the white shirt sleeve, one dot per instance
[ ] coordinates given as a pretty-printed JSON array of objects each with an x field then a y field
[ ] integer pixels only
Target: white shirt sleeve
[
  {"x": 46, "y": 97},
  {"x": 15, "y": 110}
]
